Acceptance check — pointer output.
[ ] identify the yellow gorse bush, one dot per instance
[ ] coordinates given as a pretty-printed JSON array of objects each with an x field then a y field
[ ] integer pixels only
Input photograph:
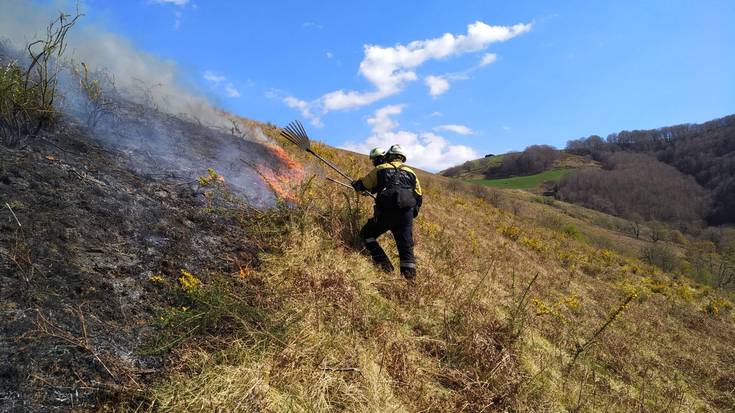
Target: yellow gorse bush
[
  {"x": 212, "y": 176},
  {"x": 156, "y": 279},
  {"x": 509, "y": 231},
  {"x": 715, "y": 306},
  {"x": 532, "y": 243},
  {"x": 189, "y": 282}
]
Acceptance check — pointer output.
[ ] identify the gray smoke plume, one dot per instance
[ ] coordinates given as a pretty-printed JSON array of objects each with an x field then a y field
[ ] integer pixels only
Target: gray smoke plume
[
  {"x": 139, "y": 75},
  {"x": 154, "y": 119}
]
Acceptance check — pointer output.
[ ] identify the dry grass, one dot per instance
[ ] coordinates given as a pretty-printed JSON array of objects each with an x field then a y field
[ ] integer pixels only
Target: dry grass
[{"x": 505, "y": 315}]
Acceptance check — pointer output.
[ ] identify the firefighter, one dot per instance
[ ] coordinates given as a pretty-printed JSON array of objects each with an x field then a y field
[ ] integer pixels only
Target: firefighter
[
  {"x": 377, "y": 156},
  {"x": 397, "y": 202}
]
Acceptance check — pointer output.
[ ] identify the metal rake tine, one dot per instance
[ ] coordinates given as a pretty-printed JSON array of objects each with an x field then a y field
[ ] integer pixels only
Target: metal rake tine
[
  {"x": 301, "y": 133},
  {"x": 293, "y": 127},
  {"x": 301, "y": 128},
  {"x": 295, "y": 133},
  {"x": 288, "y": 136},
  {"x": 292, "y": 135}
]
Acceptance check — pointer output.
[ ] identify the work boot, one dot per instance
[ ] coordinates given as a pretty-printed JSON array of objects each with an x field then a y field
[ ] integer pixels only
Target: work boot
[
  {"x": 408, "y": 273},
  {"x": 386, "y": 266}
]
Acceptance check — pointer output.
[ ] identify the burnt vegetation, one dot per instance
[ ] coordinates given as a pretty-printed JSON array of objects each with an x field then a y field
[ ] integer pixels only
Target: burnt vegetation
[{"x": 107, "y": 208}]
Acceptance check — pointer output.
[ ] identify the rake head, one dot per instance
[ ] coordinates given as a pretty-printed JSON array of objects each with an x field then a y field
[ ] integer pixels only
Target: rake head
[{"x": 296, "y": 134}]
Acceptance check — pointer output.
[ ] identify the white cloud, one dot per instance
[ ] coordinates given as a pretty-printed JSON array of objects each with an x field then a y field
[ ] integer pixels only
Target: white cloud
[
  {"x": 232, "y": 91},
  {"x": 216, "y": 80},
  {"x": 312, "y": 25},
  {"x": 506, "y": 128},
  {"x": 329, "y": 55},
  {"x": 424, "y": 150},
  {"x": 305, "y": 109},
  {"x": 437, "y": 85},
  {"x": 382, "y": 122},
  {"x": 458, "y": 129},
  {"x": 388, "y": 69},
  {"x": 435, "y": 114},
  {"x": 174, "y": 2},
  {"x": 341, "y": 100},
  {"x": 488, "y": 58},
  {"x": 213, "y": 78}
]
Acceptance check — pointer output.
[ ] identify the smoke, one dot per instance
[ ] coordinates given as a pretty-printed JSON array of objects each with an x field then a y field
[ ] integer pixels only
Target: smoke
[
  {"x": 139, "y": 76},
  {"x": 154, "y": 121}
]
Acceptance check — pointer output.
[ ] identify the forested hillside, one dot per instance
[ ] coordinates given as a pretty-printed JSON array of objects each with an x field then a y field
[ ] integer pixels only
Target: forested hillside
[
  {"x": 704, "y": 151},
  {"x": 638, "y": 187},
  {"x": 534, "y": 159}
]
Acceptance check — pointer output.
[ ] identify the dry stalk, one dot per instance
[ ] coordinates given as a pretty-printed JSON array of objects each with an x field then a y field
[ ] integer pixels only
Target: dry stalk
[
  {"x": 354, "y": 369},
  {"x": 46, "y": 327},
  {"x": 595, "y": 336},
  {"x": 517, "y": 323},
  {"x": 14, "y": 216}
]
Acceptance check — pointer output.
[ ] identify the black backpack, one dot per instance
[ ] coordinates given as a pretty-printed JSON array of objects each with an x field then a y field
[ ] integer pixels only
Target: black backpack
[{"x": 398, "y": 191}]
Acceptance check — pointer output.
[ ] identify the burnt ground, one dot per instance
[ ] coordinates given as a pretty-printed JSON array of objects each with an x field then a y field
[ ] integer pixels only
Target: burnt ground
[{"x": 99, "y": 218}]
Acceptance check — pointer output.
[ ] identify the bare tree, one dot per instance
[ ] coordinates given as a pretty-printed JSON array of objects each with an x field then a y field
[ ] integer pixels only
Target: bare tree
[{"x": 27, "y": 96}]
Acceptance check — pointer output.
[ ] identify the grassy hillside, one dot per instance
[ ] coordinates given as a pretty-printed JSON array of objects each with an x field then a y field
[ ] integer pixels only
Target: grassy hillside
[
  {"x": 475, "y": 168},
  {"x": 524, "y": 182},
  {"x": 153, "y": 263},
  {"x": 490, "y": 167},
  {"x": 518, "y": 306}
]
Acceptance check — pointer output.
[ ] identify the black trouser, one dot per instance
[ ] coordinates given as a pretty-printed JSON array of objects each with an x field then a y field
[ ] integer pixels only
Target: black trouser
[{"x": 400, "y": 223}]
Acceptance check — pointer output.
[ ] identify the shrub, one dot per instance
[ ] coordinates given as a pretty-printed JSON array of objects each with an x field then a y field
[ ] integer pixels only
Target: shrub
[
  {"x": 545, "y": 200},
  {"x": 661, "y": 256},
  {"x": 492, "y": 196},
  {"x": 572, "y": 231},
  {"x": 635, "y": 187},
  {"x": 534, "y": 159},
  {"x": 27, "y": 95},
  {"x": 678, "y": 237},
  {"x": 96, "y": 88}
]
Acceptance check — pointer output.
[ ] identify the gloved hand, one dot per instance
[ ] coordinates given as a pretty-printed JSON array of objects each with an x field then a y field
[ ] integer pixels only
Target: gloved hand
[
  {"x": 415, "y": 212},
  {"x": 357, "y": 185}
]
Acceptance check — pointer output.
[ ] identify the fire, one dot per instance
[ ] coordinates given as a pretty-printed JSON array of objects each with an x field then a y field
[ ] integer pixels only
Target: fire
[
  {"x": 285, "y": 179},
  {"x": 292, "y": 164}
]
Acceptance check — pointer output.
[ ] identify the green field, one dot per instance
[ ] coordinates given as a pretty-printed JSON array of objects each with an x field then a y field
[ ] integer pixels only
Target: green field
[{"x": 524, "y": 182}]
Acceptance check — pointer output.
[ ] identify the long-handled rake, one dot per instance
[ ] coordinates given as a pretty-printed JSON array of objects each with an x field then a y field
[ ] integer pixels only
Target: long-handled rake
[{"x": 296, "y": 134}]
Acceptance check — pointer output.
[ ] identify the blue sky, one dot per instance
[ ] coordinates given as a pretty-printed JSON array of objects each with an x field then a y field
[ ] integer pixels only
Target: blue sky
[{"x": 552, "y": 71}]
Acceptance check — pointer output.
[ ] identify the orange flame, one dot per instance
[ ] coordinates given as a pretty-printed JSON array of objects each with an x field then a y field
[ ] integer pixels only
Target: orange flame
[
  {"x": 296, "y": 169},
  {"x": 282, "y": 182}
]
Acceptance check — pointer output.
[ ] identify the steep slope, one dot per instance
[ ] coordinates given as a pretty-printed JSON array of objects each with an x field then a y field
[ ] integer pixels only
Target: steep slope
[
  {"x": 505, "y": 314},
  {"x": 152, "y": 263},
  {"x": 170, "y": 294},
  {"x": 87, "y": 223}
]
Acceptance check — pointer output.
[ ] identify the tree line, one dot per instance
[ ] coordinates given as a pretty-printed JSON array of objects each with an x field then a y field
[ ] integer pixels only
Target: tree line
[
  {"x": 706, "y": 152},
  {"x": 638, "y": 187}
]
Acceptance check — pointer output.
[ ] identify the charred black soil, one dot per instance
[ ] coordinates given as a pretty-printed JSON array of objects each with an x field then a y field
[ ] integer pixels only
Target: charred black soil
[{"x": 86, "y": 223}]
